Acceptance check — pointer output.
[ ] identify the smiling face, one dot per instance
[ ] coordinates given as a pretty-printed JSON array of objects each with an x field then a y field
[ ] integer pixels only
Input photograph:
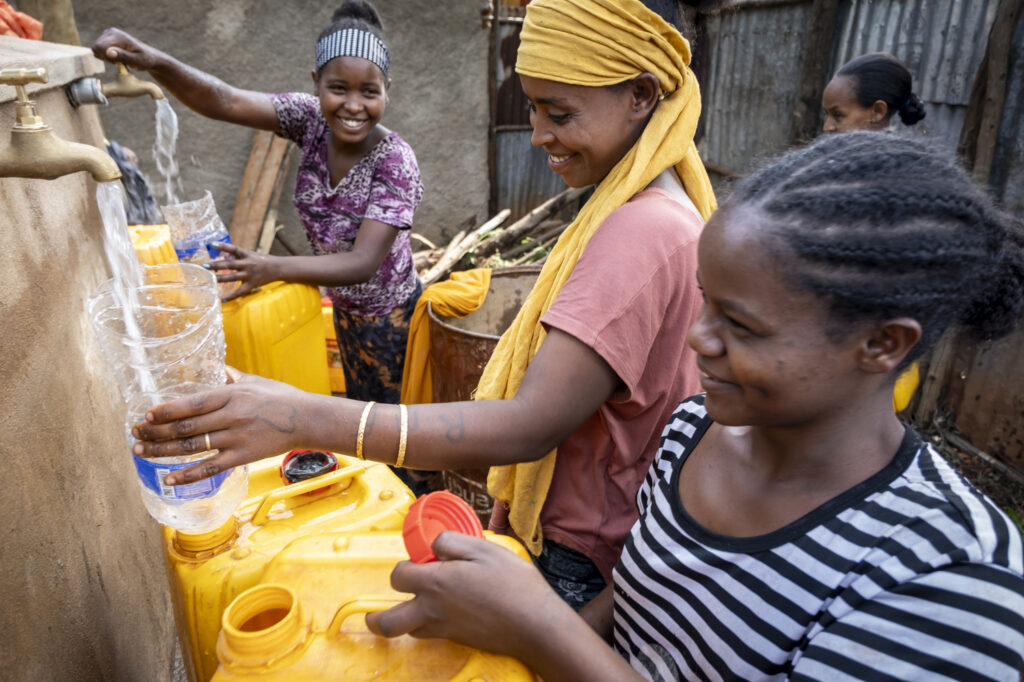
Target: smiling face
[
  {"x": 584, "y": 130},
  {"x": 353, "y": 95},
  {"x": 761, "y": 343},
  {"x": 845, "y": 113}
]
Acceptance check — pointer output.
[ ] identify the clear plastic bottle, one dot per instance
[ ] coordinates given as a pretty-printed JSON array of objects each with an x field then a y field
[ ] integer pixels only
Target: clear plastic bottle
[
  {"x": 195, "y": 226},
  {"x": 192, "y": 507}
]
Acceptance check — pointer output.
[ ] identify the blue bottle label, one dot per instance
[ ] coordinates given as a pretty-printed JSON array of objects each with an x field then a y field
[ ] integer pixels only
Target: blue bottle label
[
  {"x": 224, "y": 238},
  {"x": 186, "y": 249},
  {"x": 185, "y": 254},
  {"x": 152, "y": 471}
]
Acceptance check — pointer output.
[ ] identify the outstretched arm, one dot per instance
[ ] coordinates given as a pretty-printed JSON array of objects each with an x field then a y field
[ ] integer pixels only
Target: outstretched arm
[
  {"x": 564, "y": 385},
  {"x": 483, "y": 596},
  {"x": 199, "y": 91}
]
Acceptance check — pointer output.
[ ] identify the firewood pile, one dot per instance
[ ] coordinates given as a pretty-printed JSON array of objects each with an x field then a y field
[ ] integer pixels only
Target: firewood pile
[{"x": 528, "y": 240}]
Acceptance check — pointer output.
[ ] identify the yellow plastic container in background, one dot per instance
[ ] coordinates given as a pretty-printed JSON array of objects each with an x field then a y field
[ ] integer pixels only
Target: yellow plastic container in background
[
  {"x": 208, "y": 570},
  {"x": 153, "y": 245},
  {"x": 278, "y": 333},
  {"x": 334, "y": 370},
  {"x": 304, "y": 620},
  {"x": 906, "y": 384}
]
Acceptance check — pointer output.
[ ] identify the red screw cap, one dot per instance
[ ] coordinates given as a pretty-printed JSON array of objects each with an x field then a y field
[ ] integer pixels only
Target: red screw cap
[{"x": 431, "y": 515}]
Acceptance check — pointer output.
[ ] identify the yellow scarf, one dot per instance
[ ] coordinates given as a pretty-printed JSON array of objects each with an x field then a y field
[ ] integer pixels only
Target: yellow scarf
[
  {"x": 457, "y": 296},
  {"x": 592, "y": 43}
]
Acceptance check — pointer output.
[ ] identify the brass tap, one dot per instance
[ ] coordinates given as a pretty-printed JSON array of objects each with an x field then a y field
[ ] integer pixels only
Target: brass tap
[
  {"x": 128, "y": 85},
  {"x": 35, "y": 151}
]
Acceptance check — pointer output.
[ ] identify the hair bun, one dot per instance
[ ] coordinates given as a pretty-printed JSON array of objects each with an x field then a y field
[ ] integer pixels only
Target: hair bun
[
  {"x": 912, "y": 110},
  {"x": 360, "y": 10}
]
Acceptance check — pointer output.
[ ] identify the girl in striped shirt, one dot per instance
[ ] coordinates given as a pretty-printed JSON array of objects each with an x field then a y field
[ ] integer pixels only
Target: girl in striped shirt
[{"x": 791, "y": 527}]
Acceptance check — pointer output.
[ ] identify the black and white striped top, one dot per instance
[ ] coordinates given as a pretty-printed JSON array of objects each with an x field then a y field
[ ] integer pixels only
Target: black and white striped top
[{"x": 911, "y": 574}]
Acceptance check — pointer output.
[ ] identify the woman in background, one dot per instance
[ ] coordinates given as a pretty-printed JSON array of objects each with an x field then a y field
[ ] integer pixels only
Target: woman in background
[{"x": 866, "y": 92}]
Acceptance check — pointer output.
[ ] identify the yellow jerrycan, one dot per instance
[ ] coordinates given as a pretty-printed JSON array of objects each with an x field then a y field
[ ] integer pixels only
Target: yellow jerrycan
[
  {"x": 305, "y": 620},
  {"x": 207, "y": 570},
  {"x": 277, "y": 332},
  {"x": 152, "y": 244}
]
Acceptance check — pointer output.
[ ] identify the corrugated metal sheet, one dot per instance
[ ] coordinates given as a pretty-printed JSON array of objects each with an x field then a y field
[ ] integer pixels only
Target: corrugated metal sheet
[
  {"x": 753, "y": 69},
  {"x": 524, "y": 179},
  {"x": 941, "y": 41},
  {"x": 755, "y": 53}
]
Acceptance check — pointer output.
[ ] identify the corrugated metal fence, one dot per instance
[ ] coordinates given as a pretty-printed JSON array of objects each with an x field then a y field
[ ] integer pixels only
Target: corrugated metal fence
[{"x": 755, "y": 53}]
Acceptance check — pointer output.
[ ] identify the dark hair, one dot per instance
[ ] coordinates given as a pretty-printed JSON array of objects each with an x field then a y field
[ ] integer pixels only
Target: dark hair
[
  {"x": 358, "y": 14},
  {"x": 881, "y": 76},
  {"x": 881, "y": 227}
]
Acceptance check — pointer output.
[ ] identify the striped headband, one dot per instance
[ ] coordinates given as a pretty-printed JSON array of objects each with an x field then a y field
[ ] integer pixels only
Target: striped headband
[{"x": 352, "y": 42}]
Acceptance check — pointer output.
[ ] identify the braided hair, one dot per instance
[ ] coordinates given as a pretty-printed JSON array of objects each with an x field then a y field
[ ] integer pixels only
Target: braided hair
[
  {"x": 882, "y": 227},
  {"x": 881, "y": 76}
]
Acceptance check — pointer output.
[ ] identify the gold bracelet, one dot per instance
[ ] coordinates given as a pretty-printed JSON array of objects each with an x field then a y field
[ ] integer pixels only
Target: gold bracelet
[
  {"x": 404, "y": 435},
  {"x": 362, "y": 429}
]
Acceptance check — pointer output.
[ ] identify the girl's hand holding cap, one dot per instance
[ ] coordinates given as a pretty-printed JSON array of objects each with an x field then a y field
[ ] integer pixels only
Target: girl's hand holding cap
[{"x": 433, "y": 514}]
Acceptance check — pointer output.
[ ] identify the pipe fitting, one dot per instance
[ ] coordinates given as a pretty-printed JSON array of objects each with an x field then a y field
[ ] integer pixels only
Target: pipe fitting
[{"x": 86, "y": 91}]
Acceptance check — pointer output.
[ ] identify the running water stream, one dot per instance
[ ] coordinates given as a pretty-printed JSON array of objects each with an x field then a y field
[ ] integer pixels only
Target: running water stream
[
  {"x": 164, "y": 149},
  {"x": 126, "y": 271}
]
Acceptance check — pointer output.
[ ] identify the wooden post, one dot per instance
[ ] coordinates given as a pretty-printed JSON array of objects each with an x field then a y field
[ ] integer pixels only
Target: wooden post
[
  {"x": 980, "y": 130},
  {"x": 814, "y": 74},
  {"x": 260, "y": 188}
]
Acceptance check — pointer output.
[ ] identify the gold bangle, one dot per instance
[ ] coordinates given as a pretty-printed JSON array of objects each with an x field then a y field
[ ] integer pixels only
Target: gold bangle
[
  {"x": 404, "y": 435},
  {"x": 362, "y": 429}
]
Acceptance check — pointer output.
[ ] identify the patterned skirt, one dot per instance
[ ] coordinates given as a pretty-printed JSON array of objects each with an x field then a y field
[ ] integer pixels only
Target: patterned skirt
[{"x": 372, "y": 350}]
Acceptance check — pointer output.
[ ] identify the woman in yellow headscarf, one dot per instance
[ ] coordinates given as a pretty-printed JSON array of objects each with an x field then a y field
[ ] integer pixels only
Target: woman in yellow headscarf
[{"x": 570, "y": 408}]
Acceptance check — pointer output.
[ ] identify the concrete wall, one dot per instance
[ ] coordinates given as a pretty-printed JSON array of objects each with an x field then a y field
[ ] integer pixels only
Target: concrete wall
[
  {"x": 85, "y": 592},
  {"x": 438, "y": 95}
]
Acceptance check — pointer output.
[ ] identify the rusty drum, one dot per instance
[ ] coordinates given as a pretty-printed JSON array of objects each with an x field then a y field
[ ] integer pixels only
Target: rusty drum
[{"x": 459, "y": 350}]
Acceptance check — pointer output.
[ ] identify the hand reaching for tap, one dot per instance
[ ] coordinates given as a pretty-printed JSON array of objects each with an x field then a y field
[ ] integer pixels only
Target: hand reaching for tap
[
  {"x": 202, "y": 92},
  {"x": 251, "y": 268},
  {"x": 117, "y": 47}
]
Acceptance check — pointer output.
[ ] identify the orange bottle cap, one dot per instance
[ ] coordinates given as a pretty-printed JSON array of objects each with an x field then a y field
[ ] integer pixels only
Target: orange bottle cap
[{"x": 433, "y": 514}]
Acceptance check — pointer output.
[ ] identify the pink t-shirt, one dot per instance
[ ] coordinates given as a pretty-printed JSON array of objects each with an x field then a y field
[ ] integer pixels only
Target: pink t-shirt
[{"x": 632, "y": 298}]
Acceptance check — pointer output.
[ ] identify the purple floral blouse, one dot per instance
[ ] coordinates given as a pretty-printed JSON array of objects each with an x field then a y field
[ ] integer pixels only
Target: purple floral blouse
[{"x": 384, "y": 185}]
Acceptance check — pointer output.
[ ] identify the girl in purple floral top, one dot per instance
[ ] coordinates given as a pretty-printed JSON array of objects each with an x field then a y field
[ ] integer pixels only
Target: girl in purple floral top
[{"x": 357, "y": 188}]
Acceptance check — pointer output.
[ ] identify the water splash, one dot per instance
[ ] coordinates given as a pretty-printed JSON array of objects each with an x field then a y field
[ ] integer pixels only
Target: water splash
[
  {"x": 125, "y": 268},
  {"x": 164, "y": 150}
]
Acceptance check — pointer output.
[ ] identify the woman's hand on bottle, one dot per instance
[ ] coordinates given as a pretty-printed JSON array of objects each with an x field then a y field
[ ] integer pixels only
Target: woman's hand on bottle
[
  {"x": 251, "y": 268},
  {"x": 246, "y": 420},
  {"x": 117, "y": 47}
]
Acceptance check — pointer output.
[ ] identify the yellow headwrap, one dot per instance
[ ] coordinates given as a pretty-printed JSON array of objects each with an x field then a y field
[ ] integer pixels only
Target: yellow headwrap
[{"x": 593, "y": 43}]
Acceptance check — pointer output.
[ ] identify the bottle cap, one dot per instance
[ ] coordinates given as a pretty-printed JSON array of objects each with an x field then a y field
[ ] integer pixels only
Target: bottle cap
[
  {"x": 302, "y": 465},
  {"x": 431, "y": 515}
]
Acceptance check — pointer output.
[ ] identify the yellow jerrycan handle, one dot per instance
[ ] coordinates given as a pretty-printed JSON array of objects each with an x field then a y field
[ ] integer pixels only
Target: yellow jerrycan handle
[
  {"x": 367, "y": 603},
  {"x": 349, "y": 473}
]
